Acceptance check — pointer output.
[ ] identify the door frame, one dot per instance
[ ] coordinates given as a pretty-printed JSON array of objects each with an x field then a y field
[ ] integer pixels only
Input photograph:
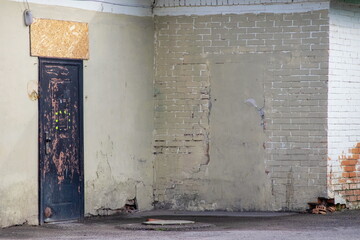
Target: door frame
[{"x": 78, "y": 62}]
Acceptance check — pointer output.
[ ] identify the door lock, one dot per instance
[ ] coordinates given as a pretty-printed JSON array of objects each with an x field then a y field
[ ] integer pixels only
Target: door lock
[{"x": 47, "y": 143}]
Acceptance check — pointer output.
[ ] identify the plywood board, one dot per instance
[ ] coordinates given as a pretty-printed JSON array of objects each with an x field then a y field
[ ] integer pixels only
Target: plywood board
[{"x": 59, "y": 39}]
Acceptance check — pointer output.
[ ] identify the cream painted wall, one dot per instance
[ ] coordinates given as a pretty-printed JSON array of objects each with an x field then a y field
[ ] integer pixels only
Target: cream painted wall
[
  {"x": 118, "y": 112},
  {"x": 18, "y": 141}
]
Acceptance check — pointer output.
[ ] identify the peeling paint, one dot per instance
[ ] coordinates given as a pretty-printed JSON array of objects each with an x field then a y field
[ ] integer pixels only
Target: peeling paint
[
  {"x": 109, "y": 111},
  {"x": 32, "y": 90},
  {"x": 195, "y": 182},
  {"x": 259, "y": 109},
  {"x": 24, "y": 209},
  {"x": 344, "y": 180}
]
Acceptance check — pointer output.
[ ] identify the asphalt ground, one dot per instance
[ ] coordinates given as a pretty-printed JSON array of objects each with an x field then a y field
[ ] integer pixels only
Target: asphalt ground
[{"x": 222, "y": 226}]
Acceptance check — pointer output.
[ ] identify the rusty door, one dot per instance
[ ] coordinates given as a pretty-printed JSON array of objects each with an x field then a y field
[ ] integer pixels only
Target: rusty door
[{"x": 60, "y": 140}]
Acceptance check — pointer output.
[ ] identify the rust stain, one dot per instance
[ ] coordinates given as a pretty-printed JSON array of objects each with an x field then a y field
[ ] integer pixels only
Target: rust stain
[
  {"x": 59, "y": 137},
  {"x": 48, "y": 212},
  {"x": 61, "y": 119},
  {"x": 32, "y": 90}
]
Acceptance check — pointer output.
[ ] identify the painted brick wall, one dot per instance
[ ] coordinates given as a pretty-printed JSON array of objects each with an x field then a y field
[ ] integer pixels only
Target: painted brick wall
[
  {"x": 177, "y": 3},
  {"x": 344, "y": 105},
  {"x": 295, "y": 46}
]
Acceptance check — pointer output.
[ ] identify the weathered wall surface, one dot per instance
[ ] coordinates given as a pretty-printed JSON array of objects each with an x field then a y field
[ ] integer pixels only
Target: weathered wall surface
[
  {"x": 118, "y": 112},
  {"x": 178, "y": 3},
  {"x": 118, "y": 104},
  {"x": 344, "y": 102},
  {"x": 18, "y": 141},
  {"x": 128, "y": 7},
  {"x": 213, "y": 150},
  {"x": 237, "y": 134},
  {"x": 213, "y": 7}
]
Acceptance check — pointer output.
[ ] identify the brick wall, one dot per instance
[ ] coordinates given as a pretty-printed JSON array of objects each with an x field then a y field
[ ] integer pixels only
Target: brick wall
[
  {"x": 344, "y": 105},
  {"x": 294, "y": 45},
  {"x": 177, "y": 3},
  {"x": 297, "y": 113}
]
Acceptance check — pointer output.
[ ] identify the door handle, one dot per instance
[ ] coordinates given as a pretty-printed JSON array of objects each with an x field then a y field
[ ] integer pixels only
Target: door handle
[{"x": 47, "y": 143}]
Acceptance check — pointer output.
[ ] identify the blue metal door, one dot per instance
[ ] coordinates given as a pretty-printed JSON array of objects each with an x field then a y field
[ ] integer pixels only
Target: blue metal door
[{"x": 60, "y": 140}]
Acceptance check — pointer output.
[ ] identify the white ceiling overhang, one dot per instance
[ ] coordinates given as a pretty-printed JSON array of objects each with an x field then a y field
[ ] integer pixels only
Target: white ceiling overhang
[
  {"x": 129, "y": 7},
  {"x": 189, "y": 7}
]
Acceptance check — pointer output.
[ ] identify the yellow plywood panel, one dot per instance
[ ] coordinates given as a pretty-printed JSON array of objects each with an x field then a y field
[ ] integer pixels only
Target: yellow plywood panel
[{"x": 59, "y": 39}]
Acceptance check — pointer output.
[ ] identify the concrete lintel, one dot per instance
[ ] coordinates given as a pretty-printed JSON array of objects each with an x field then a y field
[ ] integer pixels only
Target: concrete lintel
[{"x": 243, "y": 9}]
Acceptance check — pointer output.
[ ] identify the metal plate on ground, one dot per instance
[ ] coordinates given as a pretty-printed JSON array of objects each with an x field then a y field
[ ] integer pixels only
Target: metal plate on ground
[
  {"x": 168, "y": 222},
  {"x": 182, "y": 227}
]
